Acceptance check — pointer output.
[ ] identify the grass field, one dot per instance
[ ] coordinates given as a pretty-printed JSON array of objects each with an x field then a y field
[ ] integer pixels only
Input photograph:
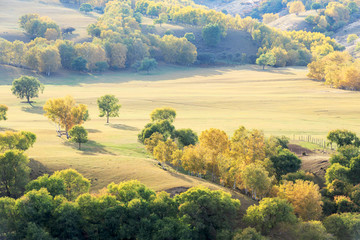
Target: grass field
[{"x": 279, "y": 101}]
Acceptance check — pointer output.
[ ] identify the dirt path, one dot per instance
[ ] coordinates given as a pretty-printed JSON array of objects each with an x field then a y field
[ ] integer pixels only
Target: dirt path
[{"x": 315, "y": 162}]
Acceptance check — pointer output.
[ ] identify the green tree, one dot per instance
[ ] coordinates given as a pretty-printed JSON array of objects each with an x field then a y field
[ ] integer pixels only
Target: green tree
[
  {"x": 266, "y": 59},
  {"x": 343, "y": 226},
  {"x": 3, "y": 111},
  {"x": 211, "y": 34},
  {"x": 351, "y": 38},
  {"x": 14, "y": 173},
  {"x": 208, "y": 212},
  {"x": 186, "y": 137},
  {"x": 67, "y": 53},
  {"x": 109, "y": 106},
  {"x": 256, "y": 179},
  {"x": 164, "y": 113},
  {"x": 147, "y": 64},
  {"x": 101, "y": 66},
  {"x": 190, "y": 37},
  {"x": 285, "y": 162},
  {"x": 269, "y": 213},
  {"x": 337, "y": 171},
  {"x": 54, "y": 184},
  {"x": 79, "y": 135},
  {"x": 79, "y": 64},
  {"x": 248, "y": 233},
  {"x": 17, "y": 140},
  {"x": 343, "y": 137},
  {"x": 163, "y": 127},
  {"x": 85, "y": 7},
  {"x": 27, "y": 87},
  {"x": 75, "y": 183}
]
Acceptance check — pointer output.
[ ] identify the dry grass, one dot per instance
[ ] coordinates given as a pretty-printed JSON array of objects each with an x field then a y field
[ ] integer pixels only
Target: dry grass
[{"x": 279, "y": 101}]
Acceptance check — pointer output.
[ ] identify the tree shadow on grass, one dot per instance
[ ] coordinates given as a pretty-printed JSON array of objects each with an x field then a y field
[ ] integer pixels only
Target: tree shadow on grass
[
  {"x": 3, "y": 129},
  {"x": 33, "y": 109},
  {"x": 93, "y": 131},
  {"x": 89, "y": 148},
  {"x": 124, "y": 127}
]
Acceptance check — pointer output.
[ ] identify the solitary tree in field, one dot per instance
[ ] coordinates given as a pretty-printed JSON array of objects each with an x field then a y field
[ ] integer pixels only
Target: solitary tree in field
[
  {"x": 27, "y": 87},
  {"x": 343, "y": 138},
  {"x": 3, "y": 110},
  {"x": 85, "y": 7},
  {"x": 79, "y": 135},
  {"x": 109, "y": 106},
  {"x": 65, "y": 113},
  {"x": 266, "y": 59}
]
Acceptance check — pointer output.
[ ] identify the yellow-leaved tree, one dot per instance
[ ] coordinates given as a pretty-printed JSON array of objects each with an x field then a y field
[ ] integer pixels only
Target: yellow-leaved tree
[
  {"x": 296, "y": 7},
  {"x": 304, "y": 196},
  {"x": 65, "y": 113}
]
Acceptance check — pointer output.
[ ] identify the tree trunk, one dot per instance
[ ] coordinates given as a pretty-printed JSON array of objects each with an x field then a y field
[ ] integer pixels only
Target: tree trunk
[
  {"x": 28, "y": 99},
  {"x": 263, "y": 67},
  {"x": 79, "y": 146},
  {"x": 107, "y": 116}
]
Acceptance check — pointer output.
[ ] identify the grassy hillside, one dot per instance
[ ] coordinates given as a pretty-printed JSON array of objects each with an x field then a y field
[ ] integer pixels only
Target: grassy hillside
[
  {"x": 11, "y": 11},
  {"x": 279, "y": 101}
]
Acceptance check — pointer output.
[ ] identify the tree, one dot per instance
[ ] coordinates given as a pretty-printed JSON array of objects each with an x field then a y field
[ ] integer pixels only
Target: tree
[
  {"x": 109, "y": 106},
  {"x": 266, "y": 59},
  {"x": 65, "y": 112},
  {"x": 79, "y": 64},
  {"x": 147, "y": 64},
  {"x": 164, "y": 127},
  {"x": 17, "y": 140},
  {"x": 269, "y": 213},
  {"x": 164, "y": 113},
  {"x": 164, "y": 151},
  {"x": 163, "y": 18},
  {"x": 3, "y": 111},
  {"x": 315, "y": 6},
  {"x": 248, "y": 233},
  {"x": 116, "y": 53},
  {"x": 351, "y": 38},
  {"x": 14, "y": 173},
  {"x": 304, "y": 196},
  {"x": 337, "y": 171},
  {"x": 285, "y": 162},
  {"x": 343, "y": 137},
  {"x": 211, "y": 34},
  {"x": 51, "y": 34},
  {"x": 79, "y": 135},
  {"x": 208, "y": 212},
  {"x": 296, "y": 7},
  {"x": 27, "y": 87},
  {"x": 177, "y": 50},
  {"x": 256, "y": 179},
  {"x": 54, "y": 184},
  {"x": 153, "y": 141},
  {"x": 101, "y": 66},
  {"x": 85, "y": 7},
  {"x": 190, "y": 37},
  {"x": 75, "y": 183},
  {"x": 186, "y": 137},
  {"x": 67, "y": 53},
  {"x": 49, "y": 60}
]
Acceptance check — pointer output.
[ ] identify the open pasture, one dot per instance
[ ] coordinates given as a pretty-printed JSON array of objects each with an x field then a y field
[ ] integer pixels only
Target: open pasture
[{"x": 279, "y": 101}]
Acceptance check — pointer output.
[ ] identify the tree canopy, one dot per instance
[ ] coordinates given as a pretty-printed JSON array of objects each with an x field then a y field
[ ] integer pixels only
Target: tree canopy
[
  {"x": 27, "y": 87},
  {"x": 109, "y": 106},
  {"x": 79, "y": 135},
  {"x": 3, "y": 111}
]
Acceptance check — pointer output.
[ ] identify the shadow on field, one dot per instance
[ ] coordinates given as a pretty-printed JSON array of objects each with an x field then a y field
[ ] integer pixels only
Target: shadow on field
[
  {"x": 93, "y": 131},
  {"x": 124, "y": 127},
  {"x": 33, "y": 109},
  {"x": 3, "y": 129},
  {"x": 89, "y": 148}
]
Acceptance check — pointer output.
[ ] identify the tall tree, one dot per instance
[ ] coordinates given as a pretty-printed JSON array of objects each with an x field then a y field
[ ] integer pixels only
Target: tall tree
[
  {"x": 3, "y": 111},
  {"x": 211, "y": 34},
  {"x": 27, "y": 87},
  {"x": 14, "y": 173},
  {"x": 65, "y": 112},
  {"x": 79, "y": 135},
  {"x": 109, "y": 106},
  {"x": 296, "y": 7}
]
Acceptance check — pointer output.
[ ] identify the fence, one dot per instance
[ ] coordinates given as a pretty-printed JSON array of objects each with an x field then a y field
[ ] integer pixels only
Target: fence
[{"x": 322, "y": 143}]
